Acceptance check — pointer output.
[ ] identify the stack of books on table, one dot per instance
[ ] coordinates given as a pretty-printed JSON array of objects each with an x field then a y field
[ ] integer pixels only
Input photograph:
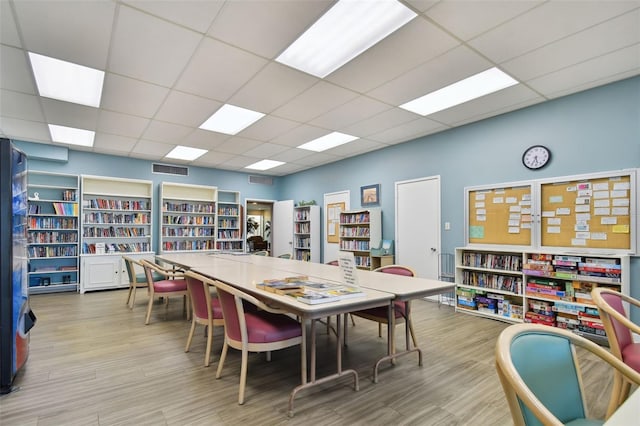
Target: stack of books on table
[{"x": 310, "y": 292}]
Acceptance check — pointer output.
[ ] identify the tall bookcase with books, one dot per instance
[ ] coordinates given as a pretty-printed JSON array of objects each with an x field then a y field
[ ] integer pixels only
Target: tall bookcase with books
[
  {"x": 52, "y": 235},
  {"x": 359, "y": 231},
  {"x": 229, "y": 232},
  {"x": 306, "y": 233},
  {"x": 545, "y": 287},
  {"x": 116, "y": 220},
  {"x": 188, "y": 217}
]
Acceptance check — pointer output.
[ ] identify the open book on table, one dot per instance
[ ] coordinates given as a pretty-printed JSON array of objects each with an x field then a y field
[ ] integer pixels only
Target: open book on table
[{"x": 309, "y": 291}]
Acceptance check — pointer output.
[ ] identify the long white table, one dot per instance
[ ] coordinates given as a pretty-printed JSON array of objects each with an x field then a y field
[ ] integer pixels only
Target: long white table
[
  {"x": 245, "y": 271},
  {"x": 628, "y": 413}
]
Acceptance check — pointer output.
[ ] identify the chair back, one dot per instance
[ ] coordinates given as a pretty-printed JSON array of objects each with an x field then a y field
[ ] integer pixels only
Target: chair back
[
  {"x": 333, "y": 263},
  {"x": 621, "y": 334},
  {"x": 397, "y": 270},
  {"x": 200, "y": 296},
  {"x": 233, "y": 312},
  {"x": 131, "y": 272},
  {"x": 260, "y": 253},
  {"x": 285, "y": 256}
]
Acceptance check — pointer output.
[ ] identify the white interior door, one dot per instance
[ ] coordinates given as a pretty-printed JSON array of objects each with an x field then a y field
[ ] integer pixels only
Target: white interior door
[
  {"x": 330, "y": 250},
  {"x": 282, "y": 228},
  {"x": 418, "y": 225}
]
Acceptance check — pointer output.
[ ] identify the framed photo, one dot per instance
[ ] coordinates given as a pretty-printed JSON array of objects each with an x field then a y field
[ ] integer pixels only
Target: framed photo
[{"x": 370, "y": 195}]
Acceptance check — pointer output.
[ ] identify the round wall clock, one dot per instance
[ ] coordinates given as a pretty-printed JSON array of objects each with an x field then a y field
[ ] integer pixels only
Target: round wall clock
[{"x": 536, "y": 157}]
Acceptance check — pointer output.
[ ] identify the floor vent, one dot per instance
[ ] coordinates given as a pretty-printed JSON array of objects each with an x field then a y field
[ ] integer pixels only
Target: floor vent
[
  {"x": 170, "y": 170},
  {"x": 261, "y": 180}
]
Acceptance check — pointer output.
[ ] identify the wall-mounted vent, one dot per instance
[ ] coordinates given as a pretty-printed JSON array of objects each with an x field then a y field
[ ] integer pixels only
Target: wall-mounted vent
[
  {"x": 170, "y": 170},
  {"x": 261, "y": 180}
]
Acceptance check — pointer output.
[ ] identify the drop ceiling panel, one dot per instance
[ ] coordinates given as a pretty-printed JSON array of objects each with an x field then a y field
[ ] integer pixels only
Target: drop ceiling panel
[
  {"x": 25, "y": 130},
  {"x": 272, "y": 87},
  {"x": 70, "y": 115},
  {"x": 442, "y": 71},
  {"x": 378, "y": 123},
  {"x": 317, "y": 159},
  {"x": 299, "y": 135},
  {"x": 15, "y": 71},
  {"x": 186, "y": 109},
  {"x": 411, "y": 130},
  {"x": 292, "y": 155},
  {"x": 268, "y": 128},
  {"x": 237, "y": 145},
  {"x": 356, "y": 147},
  {"x": 197, "y": 15},
  {"x": 75, "y": 31},
  {"x": 121, "y": 124},
  {"x": 217, "y": 70},
  {"x": 373, "y": 67},
  {"x": 467, "y": 19},
  {"x": 8, "y": 30},
  {"x": 266, "y": 28},
  {"x": 601, "y": 39},
  {"x": 166, "y": 132},
  {"x": 113, "y": 144},
  {"x": 319, "y": 99},
  {"x": 545, "y": 24},
  {"x": 157, "y": 54},
  {"x": 353, "y": 111},
  {"x": 213, "y": 158},
  {"x": 266, "y": 150},
  {"x": 151, "y": 149},
  {"x": 20, "y": 105},
  {"x": 129, "y": 96},
  {"x": 204, "y": 139}
]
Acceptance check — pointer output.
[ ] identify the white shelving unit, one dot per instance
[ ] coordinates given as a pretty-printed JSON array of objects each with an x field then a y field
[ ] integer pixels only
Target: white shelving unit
[
  {"x": 117, "y": 219},
  {"x": 306, "y": 233},
  {"x": 546, "y": 287},
  {"x": 188, "y": 217},
  {"x": 359, "y": 231},
  {"x": 52, "y": 236},
  {"x": 229, "y": 232}
]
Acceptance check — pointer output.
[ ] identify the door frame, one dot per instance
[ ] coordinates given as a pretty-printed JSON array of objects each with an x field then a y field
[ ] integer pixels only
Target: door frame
[{"x": 248, "y": 201}]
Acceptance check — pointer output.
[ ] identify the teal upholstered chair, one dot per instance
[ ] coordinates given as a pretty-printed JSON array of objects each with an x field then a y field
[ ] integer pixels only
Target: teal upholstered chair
[
  {"x": 540, "y": 374},
  {"x": 137, "y": 278}
]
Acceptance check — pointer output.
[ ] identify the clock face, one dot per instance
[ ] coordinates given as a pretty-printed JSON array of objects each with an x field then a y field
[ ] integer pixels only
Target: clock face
[{"x": 536, "y": 157}]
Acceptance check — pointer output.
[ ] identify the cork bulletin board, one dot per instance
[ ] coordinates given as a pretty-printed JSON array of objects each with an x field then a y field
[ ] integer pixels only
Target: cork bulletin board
[
  {"x": 333, "y": 221},
  {"x": 500, "y": 216},
  {"x": 588, "y": 213}
]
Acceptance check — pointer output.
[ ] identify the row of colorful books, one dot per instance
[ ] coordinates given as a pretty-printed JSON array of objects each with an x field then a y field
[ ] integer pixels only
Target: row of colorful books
[
  {"x": 308, "y": 291},
  {"x": 491, "y": 303}
]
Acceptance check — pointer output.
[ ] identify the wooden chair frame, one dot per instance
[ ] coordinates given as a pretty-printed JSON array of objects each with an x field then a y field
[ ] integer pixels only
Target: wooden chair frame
[
  {"x": 169, "y": 274},
  {"x": 517, "y": 390},
  {"x": 608, "y": 314},
  {"x": 134, "y": 284}
]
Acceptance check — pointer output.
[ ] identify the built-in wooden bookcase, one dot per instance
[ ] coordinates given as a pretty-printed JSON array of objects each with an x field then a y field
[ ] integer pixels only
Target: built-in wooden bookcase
[
  {"x": 306, "y": 233},
  {"x": 117, "y": 219},
  {"x": 359, "y": 231},
  {"x": 229, "y": 233},
  {"x": 52, "y": 235},
  {"x": 188, "y": 217},
  {"x": 551, "y": 288}
]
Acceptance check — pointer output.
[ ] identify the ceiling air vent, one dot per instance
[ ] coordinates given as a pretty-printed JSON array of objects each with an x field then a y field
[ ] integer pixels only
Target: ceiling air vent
[
  {"x": 261, "y": 180},
  {"x": 170, "y": 170}
]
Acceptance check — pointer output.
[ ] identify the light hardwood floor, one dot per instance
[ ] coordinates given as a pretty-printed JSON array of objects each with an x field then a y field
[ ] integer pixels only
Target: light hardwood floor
[{"x": 94, "y": 362}]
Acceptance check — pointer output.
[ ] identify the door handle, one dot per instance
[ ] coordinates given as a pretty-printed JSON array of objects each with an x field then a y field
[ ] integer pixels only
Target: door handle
[{"x": 433, "y": 249}]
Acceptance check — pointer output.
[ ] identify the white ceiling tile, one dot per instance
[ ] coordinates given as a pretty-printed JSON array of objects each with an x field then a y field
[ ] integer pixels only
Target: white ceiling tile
[
  {"x": 601, "y": 70},
  {"x": 374, "y": 67},
  {"x": 151, "y": 149},
  {"x": 286, "y": 169},
  {"x": 299, "y": 135},
  {"x": 507, "y": 108},
  {"x": 74, "y": 31},
  {"x": 237, "y": 145},
  {"x": 317, "y": 159},
  {"x": 489, "y": 104},
  {"x": 598, "y": 40},
  {"x": 204, "y": 139},
  {"x": 359, "y": 146},
  {"x": 467, "y": 19},
  {"x": 266, "y": 150},
  {"x": 266, "y": 28},
  {"x": 70, "y": 115},
  {"x": 274, "y": 85},
  {"x": 25, "y": 130},
  {"x": 455, "y": 65},
  {"x": 186, "y": 109},
  {"x": 421, "y": 5},
  {"x": 408, "y": 131},
  {"x": 15, "y": 71},
  {"x": 218, "y": 70},
  {"x": 113, "y": 144},
  {"x": 353, "y": 111},
  {"x": 212, "y": 158},
  {"x": 162, "y": 131},
  {"x": 121, "y": 124},
  {"x": 131, "y": 96},
  {"x": 268, "y": 127},
  {"x": 8, "y": 30},
  {"x": 156, "y": 54},
  {"x": 197, "y": 15},
  {"x": 315, "y": 101},
  {"x": 380, "y": 122},
  {"x": 292, "y": 155},
  {"x": 552, "y": 21},
  {"x": 239, "y": 162},
  {"x": 20, "y": 105}
]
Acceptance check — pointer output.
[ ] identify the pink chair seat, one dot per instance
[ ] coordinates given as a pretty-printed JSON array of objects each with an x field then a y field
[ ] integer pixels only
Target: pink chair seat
[
  {"x": 264, "y": 327},
  {"x": 166, "y": 286},
  {"x": 631, "y": 356}
]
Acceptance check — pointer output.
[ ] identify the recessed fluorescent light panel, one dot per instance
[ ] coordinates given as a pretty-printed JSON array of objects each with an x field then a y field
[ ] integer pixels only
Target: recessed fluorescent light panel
[
  {"x": 185, "y": 153},
  {"x": 71, "y": 135},
  {"x": 67, "y": 81},
  {"x": 328, "y": 141},
  {"x": 230, "y": 119},
  {"x": 473, "y": 87},
  {"x": 345, "y": 31},
  {"x": 265, "y": 165}
]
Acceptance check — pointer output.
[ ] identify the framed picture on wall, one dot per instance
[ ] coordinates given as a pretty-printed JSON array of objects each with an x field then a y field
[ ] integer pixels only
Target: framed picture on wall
[{"x": 370, "y": 195}]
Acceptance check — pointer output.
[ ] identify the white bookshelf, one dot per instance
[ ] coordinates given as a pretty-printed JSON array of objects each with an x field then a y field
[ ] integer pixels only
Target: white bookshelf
[
  {"x": 306, "y": 233},
  {"x": 359, "y": 231},
  {"x": 229, "y": 232}
]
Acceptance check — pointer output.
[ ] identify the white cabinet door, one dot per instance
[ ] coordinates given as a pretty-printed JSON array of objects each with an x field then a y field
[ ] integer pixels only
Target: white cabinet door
[{"x": 100, "y": 272}]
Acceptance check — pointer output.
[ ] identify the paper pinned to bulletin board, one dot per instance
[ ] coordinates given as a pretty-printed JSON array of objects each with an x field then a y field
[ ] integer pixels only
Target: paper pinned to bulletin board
[{"x": 333, "y": 221}]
